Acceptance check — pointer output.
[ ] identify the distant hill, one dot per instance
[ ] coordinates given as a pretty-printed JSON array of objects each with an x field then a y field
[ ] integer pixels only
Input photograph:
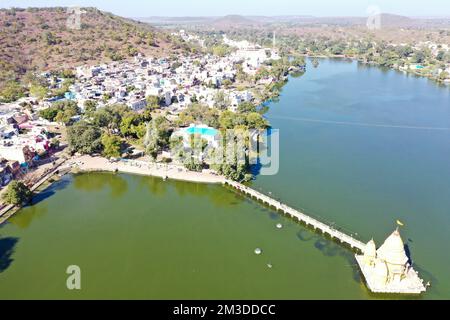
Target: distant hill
[
  {"x": 175, "y": 20},
  {"x": 38, "y": 39},
  {"x": 232, "y": 21},
  {"x": 386, "y": 19},
  {"x": 394, "y": 19}
]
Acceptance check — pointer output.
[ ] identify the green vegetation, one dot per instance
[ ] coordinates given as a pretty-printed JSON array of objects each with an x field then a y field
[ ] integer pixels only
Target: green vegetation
[
  {"x": 11, "y": 92},
  {"x": 104, "y": 129},
  {"x": 372, "y": 48},
  {"x": 220, "y": 50},
  {"x": 200, "y": 114},
  {"x": 111, "y": 145},
  {"x": 153, "y": 102},
  {"x": 61, "y": 111},
  {"x": 84, "y": 138},
  {"x": 231, "y": 159},
  {"x": 38, "y": 91},
  {"x": 17, "y": 193},
  {"x": 242, "y": 120},
  {"x": 221, "y": 101},
  {"x": 157, "y": 137},
  {"x": 90, "y": 106}
]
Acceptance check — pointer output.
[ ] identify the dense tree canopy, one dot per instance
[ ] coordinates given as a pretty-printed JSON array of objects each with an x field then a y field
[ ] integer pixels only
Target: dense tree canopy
[
  {"x": 61, "y": 111},
  {"x": 111, "y": 145},
  {"x": 11, "y": 92},
  {"x": 84, "y": 138},
  {"x": 17, "y": 193}
]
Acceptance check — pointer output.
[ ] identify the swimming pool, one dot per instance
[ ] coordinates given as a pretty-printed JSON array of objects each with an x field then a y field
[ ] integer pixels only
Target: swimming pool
[{"x": 204, "y": 131}]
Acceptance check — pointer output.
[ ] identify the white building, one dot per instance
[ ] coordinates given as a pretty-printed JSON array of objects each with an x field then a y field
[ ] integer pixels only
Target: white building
[
  {"x": 388, "y": 269},
  {"x": 138, "y": 104}
]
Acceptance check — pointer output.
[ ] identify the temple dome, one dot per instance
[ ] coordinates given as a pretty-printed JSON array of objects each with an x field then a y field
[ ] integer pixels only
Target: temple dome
[
  {"x": 370, "y": 249},
  {"x": 393, "y": 250}
]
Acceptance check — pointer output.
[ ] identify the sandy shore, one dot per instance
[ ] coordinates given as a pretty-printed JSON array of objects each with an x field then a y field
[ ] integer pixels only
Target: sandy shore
[{"x": 89, "y": 164}]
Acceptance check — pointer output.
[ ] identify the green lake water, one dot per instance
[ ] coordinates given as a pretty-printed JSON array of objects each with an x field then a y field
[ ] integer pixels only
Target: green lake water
[{"x": 360, "y": 147}]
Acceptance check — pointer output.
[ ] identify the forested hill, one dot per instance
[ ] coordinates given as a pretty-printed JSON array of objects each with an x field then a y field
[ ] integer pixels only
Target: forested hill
[{"x": 39, "y": 39}]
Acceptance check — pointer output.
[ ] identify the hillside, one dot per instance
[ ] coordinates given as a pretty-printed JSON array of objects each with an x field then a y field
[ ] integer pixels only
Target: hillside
[
  {"x": 233, "y": 21},
  {"x": 38, "y": 39}
]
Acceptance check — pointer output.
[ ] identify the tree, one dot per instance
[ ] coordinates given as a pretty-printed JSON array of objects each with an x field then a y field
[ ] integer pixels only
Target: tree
[
  {"x": 246, "y": 107},
  {"x": 61, "y": 111},
  {"x": 153, "y": 102},
  {"x": 157, "y": 136},
  {"x": 227, "y": 120},
  {"x": 38, "y": 91},
  {"x": 11, "y": 92},
  {"x": 221, "y": 101},
  {"x": 17, "y": 193},
  {"x": 220, "y": 50},
  {"x": 111, "y": 116},
  {"x": 65, "y": 116},
  {"x": 231, "y": 160},
  {"x": 404, "y": 51},
  {"x": 193, "y": 164},
  {"x": 102, "y": 118},
  {"x": 90, "y": 106},
  {"x": 55, "y": 143},
  {"x": 49, "y": 113},
  {"x": 111, "y": 145},
  {"x": 419, "y": 57},
  {"x": 84, "y": 138},
  {"x": 444, "y": 75},
  {"x": 227, "y": 83},
  {"x": 337, "y": 49},
  {"x": 132, "y": 51},
  {"x": 49, "y": 38},
  {"x": 256, "y": 121},
  {"x": 67, "y": 74},
  {"x": 133, "y": 124}
]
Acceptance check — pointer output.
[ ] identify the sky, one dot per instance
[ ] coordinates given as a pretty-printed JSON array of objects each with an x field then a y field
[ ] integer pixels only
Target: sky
[{"x": 179, "y": 8}]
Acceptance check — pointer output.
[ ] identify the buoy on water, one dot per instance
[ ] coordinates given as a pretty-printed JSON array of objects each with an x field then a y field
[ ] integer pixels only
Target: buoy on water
[
  {"x": 279, "y": 226},
  {"x": 269, "y": 265},
  {"x": 258, "y": 251}
]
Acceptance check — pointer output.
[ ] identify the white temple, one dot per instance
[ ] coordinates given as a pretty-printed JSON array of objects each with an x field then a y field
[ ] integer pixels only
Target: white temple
[{"x": 388, "y": 269}]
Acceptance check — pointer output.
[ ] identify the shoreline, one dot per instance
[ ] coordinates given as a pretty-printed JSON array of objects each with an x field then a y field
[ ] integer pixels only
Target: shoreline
[
  {"x": 356, "y": 59},
  {"x": 163, "y": 171},
  {"x": 86, "y": 164}
]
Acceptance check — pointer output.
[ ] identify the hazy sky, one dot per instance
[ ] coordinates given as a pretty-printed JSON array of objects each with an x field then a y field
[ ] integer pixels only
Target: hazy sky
[{"x": 145, "y": 8}]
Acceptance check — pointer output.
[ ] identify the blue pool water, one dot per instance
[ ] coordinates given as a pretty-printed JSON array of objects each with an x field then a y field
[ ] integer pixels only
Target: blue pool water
[{"x": 202, "y": 131}]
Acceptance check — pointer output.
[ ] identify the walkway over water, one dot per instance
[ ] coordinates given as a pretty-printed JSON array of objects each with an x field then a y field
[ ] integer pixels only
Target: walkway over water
[{"x": 300, "y": 216}]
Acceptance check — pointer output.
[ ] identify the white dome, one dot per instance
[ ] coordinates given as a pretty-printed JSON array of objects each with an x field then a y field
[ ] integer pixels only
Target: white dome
[
  {"x": 393, "y": 250},
  {"x": 370, "y": 249}
]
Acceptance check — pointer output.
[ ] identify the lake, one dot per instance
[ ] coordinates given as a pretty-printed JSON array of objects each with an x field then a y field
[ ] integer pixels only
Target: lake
[{"x": 360, "y": 147}]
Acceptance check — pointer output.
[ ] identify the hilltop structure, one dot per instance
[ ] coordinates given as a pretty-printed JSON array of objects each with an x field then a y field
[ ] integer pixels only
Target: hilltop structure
[{"x": 388, "y": 269}]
